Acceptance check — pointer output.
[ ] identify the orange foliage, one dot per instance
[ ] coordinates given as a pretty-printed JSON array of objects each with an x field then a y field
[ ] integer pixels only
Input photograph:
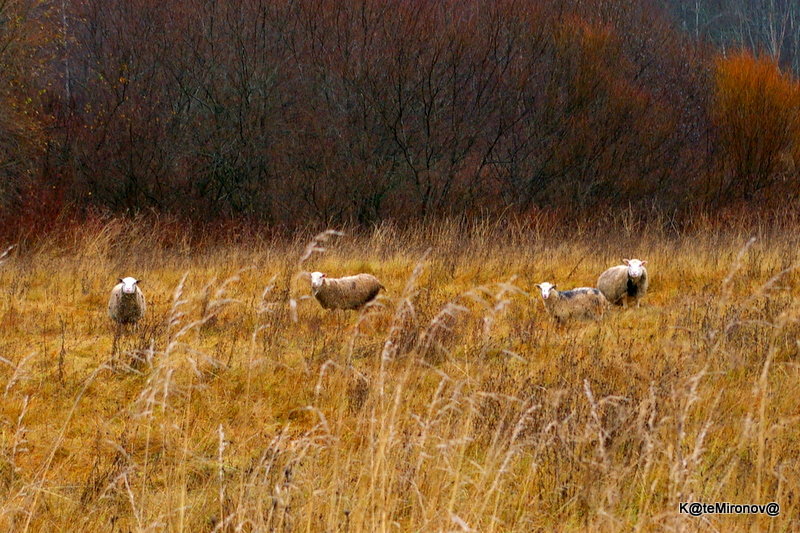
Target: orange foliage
[{"x": 756, "y": 113}]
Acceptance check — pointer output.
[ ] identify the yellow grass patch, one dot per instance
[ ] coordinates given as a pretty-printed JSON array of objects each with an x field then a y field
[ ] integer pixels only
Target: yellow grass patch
[{"x": 452, "y": 404}]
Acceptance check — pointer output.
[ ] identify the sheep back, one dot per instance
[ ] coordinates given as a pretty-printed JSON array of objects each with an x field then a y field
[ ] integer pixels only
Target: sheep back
[
  {"x": 350, "y": 292},
  {"x": 583, "y": 302}
]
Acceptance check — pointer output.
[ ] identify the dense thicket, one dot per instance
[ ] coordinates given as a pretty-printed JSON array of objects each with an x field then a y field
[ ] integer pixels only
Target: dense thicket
[{"x": 292, "y": 112}]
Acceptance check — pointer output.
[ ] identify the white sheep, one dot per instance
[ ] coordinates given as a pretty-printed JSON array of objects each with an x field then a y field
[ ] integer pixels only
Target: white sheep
[
  {"x": 583, "y": 302},
  {"x": 350, "y": 292},
  {"x": 127, "y": 304},
  {"x": 624, "y": 283}
]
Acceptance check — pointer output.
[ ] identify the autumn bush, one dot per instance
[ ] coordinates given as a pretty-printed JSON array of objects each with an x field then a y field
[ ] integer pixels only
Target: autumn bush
[
  {"x": 290, "y": 113},
  {"x": 756, "y": 116},
  {"x": 22, "y": 117},
  {"x": 311, "y": 113}
]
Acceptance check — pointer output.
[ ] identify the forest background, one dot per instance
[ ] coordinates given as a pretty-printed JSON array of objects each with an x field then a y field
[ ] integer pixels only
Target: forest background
[{"x": 298, "y": 113}]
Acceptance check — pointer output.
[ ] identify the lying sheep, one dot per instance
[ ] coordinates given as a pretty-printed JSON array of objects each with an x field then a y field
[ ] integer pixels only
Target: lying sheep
[
  {"x": 351, "y": 292},
  {"x": 127, "y": 304},
  {"x": 623, "y": 284},
  {"x": 584, "y": 302}
]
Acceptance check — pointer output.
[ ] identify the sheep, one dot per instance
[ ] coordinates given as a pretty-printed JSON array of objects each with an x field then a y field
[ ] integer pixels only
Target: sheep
[
  {"x": 127, "y": 304},
  {"x": 583, "y": 302},
  {"x": 350, "y": 292},
  {"x": 624, "y": 283}
]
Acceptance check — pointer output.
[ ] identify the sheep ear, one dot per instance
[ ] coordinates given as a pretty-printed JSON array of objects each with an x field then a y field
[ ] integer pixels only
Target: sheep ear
[
  {"x": 539, "y": 285},
  {"x": 553, "y": 287},
  {"x": 626, "y": 261},
  {"x": 138, "y": 281},
  {"x": 119, "y": 280},
  {"x": 644, "y": 262}
]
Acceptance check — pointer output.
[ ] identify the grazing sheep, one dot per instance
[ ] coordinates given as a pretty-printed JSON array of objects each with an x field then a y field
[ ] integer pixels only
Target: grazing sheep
[
  {"x": 624, "y": 283},
  {"x": 584, "y": 302},
  {"x": 351, "y": 292},
  {"x": 126, "y": 305}
]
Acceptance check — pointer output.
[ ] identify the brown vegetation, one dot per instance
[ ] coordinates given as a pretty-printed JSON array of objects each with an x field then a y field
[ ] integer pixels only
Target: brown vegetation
[
  {"x": 328, "y": 112},
  {"x": 453, "y": 403},
  {"x": 757, "y": 119}
]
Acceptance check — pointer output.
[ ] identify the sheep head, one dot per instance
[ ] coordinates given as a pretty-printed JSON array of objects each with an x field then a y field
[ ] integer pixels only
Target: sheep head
[
  {"x": 129, "y": 285},
  {"x": 317, "y": 279},
  {"x": 546, "y": 288},
  {"x": 635, "y": 269}
]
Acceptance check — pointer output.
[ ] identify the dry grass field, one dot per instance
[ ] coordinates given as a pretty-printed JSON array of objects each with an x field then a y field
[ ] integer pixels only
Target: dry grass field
[{"x": 452, "y": 404}]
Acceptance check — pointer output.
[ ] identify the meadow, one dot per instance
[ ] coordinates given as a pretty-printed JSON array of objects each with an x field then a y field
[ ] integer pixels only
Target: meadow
[{"x": 453, "y": 403}]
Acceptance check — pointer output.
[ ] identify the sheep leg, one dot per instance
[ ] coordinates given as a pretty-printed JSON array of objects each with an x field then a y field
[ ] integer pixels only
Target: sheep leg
[
  {"x": 339, "y": 315},
  {"x": 115, "y": 341}
]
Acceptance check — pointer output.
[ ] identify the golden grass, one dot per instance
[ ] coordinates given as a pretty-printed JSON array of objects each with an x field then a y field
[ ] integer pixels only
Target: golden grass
[{"x": 454, "y": 404}]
